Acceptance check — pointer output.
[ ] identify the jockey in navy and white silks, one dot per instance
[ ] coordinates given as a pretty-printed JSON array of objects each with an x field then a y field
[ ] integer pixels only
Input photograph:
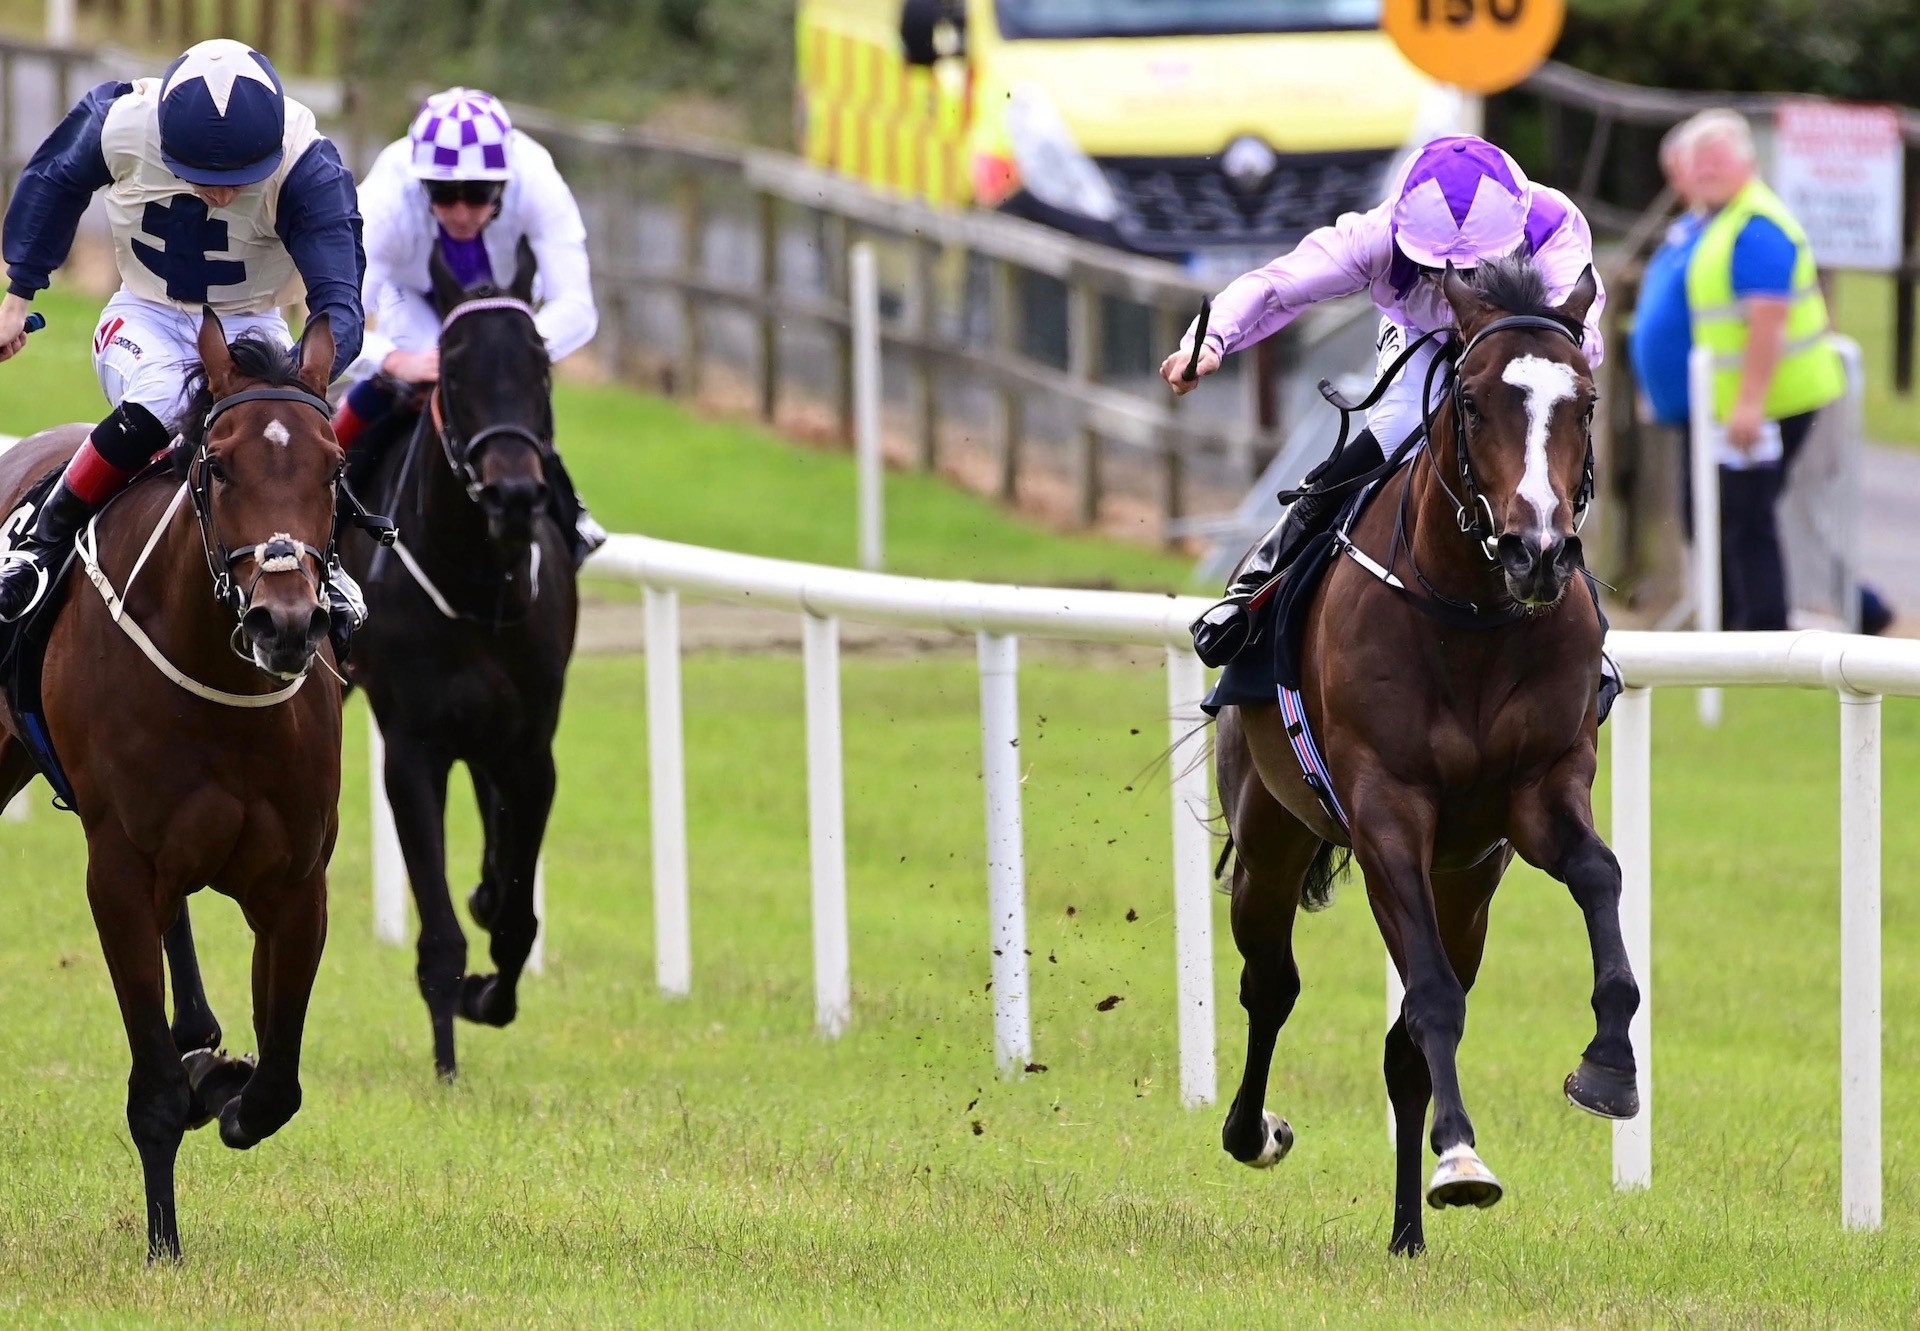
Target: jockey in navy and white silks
[
  {"x": 219, "y": 190},
  {"x": 464, "y": 182}
]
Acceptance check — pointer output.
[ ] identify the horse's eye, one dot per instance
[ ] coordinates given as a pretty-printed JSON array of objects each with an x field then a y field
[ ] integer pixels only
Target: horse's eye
[{"x": 217, "y": 472}]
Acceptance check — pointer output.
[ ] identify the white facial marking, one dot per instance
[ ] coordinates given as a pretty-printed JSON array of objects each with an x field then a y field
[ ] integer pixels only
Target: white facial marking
[
  {"x": 1547, "y": 383},
  {"x": 277, "y": 433}
]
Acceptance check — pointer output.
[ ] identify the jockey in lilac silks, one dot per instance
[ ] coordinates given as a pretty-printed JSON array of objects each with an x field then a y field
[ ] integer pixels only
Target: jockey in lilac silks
[{"x": 1461, "y": 201}]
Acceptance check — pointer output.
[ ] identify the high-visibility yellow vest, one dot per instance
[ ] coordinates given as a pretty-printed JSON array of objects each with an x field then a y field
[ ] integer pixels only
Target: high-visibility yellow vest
[{"x": 1810, "y": 373}]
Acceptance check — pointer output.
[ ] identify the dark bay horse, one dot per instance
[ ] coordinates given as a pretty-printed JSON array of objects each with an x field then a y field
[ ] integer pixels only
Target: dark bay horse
[
  {"x": 472, "y": 619},
  {"x": 226, "y": 775},
  {"x": 1458, "y": 716}
]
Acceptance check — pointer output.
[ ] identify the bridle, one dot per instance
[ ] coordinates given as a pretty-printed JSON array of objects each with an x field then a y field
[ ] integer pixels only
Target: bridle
[
  {"x": 280, "y": 552},
  {"x": 463, "y": 453},
  {"x": 1472, "y": 509}
]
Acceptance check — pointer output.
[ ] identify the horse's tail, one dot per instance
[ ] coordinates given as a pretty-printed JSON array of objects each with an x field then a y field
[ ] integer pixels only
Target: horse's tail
[{"x": 1328, "y": 864}]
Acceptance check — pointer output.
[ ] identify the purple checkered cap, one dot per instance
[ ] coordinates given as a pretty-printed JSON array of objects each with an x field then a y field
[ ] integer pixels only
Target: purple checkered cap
[
  {"x": 1461, "y": 201},
  {"x": 460, "y": 134}
]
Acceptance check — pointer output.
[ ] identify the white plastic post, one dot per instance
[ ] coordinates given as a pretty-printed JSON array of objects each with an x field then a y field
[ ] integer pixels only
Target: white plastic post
[
  {"x": 1860, "y": 1171},
  {"x": 1006, "y": 864},
  {"x": 866, "y": 403},
  {"x": 1632, "y": 723},
  {"x": 1706, "y": 514},
  {"x": 1192, "y": 888},
  {"x": 666, "y": 765},
  {"x": 1852, "y": 408},
  {"x": 537, "y": 955},
  {"x": 60, "y": 22},
  {"x": 832, "y": 986},
  {"x": 390, "y": 917}
]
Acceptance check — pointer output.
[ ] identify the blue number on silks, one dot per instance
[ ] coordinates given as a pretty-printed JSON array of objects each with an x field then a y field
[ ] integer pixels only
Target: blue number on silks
[{"x": 187, "y": 236}]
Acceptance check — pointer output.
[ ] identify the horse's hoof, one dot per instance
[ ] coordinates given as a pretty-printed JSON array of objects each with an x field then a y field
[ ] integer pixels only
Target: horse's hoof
[
  {"x": 1278, "y": 1140},
  {"x": 1603, "y": 1091},
  {"x": 231, "y": 1132},
  {"x": 1462, "y": 1179},
  {"x": 212, "y": 1080},
  {"x": 483, "y": 999},
  {"x": 480, "y": 905}
]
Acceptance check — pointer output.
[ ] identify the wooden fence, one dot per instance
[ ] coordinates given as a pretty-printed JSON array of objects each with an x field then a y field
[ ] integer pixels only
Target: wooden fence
[{"x": 301, "y": 36}]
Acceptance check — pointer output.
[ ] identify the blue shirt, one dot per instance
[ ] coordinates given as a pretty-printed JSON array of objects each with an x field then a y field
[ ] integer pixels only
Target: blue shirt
[
  {"x": 1662, "y": 336},
  {"x": 1763, "y": 260}
]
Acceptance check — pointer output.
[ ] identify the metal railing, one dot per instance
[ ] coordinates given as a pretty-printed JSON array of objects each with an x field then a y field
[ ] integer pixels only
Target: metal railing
[{"x": 1857, "y": 670}]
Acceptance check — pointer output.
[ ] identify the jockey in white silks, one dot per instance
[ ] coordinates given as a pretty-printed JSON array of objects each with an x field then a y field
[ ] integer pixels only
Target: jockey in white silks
[
  {"x": 464, "y": 182},
  {"x": 1459, "y": 201},
  {"x": 219, "y": 190}
]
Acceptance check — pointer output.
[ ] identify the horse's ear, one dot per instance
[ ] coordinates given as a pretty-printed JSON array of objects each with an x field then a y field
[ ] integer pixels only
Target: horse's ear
[
  {"x": 316, "y": 355},
  {"x": 447, "y": 289},
  {"x": 214, "y": 354},
  {"x": 524, "y": 268},
  {"x": 1579, "y": 300},
  {"x": 1469, "y": 311}
]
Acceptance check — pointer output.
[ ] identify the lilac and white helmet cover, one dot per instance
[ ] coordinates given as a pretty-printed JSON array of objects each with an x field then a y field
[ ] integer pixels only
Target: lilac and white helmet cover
[
  {"x": 460, "y": 134},
  {"x": 1461, "y": 201}
]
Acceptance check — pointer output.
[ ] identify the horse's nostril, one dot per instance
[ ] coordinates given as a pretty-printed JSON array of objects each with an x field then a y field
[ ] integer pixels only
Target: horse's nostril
[
  {"x": 317, "y": 623},
  {"x": 257, "y": 622},
  {"x": 1570, "y": 555}
]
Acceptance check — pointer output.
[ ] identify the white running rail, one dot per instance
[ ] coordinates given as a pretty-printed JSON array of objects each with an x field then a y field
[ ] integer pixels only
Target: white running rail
[{"x": 1858, "y": 670}]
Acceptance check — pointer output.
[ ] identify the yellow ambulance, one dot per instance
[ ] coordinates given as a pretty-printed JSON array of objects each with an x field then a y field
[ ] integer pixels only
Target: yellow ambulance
[{"x": 1210, "y": 132}]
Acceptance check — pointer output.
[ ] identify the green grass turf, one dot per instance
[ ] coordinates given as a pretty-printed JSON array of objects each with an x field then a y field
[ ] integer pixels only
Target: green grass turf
[
  {"x": 618, "y": 1158},
  {"x": 647, "y": 464}
]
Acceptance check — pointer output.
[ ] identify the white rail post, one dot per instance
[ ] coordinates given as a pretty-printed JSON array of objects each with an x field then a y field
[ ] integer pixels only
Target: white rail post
[
  {"x": 1860, "y": 1170},
  {"x": 1192, "y": 888},
  {"x": 60, "y": 25},
  {"x": 1632, "y": 723},
  {"x": 1703, "y": 433},
  {"x": 537, "y": 954},
  {"x": 389, "y": 869},
  {"x": 1006, "y": 862},
  {"x": 826, "y": 827},
  {"x": 865, "y": 290},
  {"x": 667, "y": 778}
]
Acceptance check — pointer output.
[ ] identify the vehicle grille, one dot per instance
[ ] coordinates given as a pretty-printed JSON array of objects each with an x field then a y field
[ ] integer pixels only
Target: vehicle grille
[{"x": 1175, "y": 204}]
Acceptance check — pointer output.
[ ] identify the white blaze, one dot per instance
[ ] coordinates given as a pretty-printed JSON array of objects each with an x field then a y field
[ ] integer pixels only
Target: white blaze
[
  {"x": 1547, "y": 383},
  {"x": 277, "y": 433}
]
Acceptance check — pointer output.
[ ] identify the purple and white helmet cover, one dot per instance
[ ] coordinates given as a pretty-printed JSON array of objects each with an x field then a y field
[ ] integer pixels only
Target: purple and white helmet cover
[
  {"x": 460, "y": 134},
  {"x": 1462, "y": 201}
]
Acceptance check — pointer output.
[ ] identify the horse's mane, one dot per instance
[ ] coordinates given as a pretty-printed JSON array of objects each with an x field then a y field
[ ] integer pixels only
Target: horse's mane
[
  {"x": 1514, "y": 284},
  {"x": 255, "y": 357}
]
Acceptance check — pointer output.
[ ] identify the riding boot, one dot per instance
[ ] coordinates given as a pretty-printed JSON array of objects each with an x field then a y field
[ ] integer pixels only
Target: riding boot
[
  {"x": 31, "y": 561},
  {"x": 346, "y": 610},
  {"x": 584, "y": 533},
  {"x": 1227, "y": 627}
]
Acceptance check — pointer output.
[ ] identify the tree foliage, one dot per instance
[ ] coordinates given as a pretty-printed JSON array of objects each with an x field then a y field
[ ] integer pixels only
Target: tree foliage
[
  {"x": 614, "y": 59},
  {"x": 1866, "y": 49}
]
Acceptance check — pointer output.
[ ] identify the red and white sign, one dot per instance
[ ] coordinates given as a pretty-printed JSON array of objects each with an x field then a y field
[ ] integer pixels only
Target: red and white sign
[{"x": 1838, "y": 167}]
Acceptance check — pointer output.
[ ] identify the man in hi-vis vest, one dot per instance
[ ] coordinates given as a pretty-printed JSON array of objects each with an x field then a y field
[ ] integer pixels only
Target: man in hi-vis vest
[{"x": 1757, "y": 307}]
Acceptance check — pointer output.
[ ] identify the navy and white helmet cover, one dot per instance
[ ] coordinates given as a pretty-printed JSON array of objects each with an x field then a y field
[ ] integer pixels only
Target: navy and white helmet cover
[{"x": 223, "y": 114}]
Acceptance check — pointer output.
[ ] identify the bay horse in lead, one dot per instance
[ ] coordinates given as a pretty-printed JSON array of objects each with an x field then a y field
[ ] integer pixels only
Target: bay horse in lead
[
  {"x": 201, "y": 743},
  {"x": 1453, "y": 688}
]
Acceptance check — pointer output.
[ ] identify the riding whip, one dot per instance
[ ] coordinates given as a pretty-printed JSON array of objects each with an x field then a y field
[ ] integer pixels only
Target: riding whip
[{"x": 1199, "y": 340}]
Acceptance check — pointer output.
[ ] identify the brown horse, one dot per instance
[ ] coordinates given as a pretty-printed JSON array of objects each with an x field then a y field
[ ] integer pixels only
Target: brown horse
[
  {"x": 228, "y": 773},
  {"x": 1456, "y": 706}
]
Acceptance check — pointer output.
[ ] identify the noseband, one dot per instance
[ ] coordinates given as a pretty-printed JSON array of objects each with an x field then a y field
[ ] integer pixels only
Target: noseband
[
  {"x": 463, "y": 453},
  {"x": 1472, "y": 510},
  {"x": 280, "y": 552}
]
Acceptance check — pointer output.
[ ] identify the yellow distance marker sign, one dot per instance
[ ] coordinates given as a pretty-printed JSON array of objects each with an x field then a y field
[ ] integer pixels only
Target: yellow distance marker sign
[{"x": 1480, "y": 45}]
